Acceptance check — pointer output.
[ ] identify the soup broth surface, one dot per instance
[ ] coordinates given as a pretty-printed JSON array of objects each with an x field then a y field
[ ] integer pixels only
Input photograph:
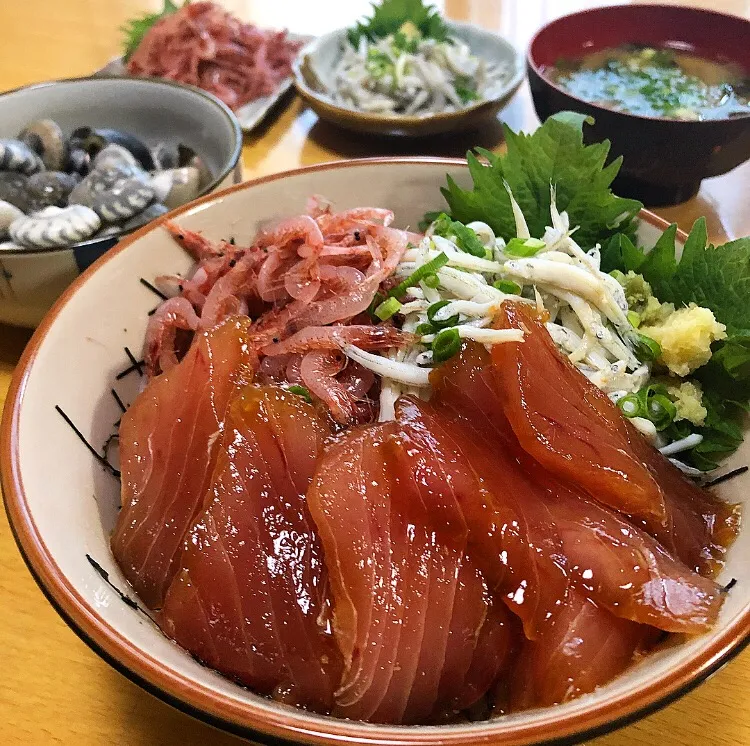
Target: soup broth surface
[{"x": 665, "y": 83}]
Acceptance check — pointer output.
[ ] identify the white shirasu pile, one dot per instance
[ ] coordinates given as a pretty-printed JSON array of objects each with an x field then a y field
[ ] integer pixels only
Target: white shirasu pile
[
  {"x": 411, "y": 83},
  {"x": 587, "y": 313}
]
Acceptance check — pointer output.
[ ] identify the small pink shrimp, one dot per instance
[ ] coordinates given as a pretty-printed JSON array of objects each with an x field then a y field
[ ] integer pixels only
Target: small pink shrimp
[
  {"x": 302, "y": 280},
  {"x": 194, "y": 243},
  {"x": 317, "y": 205},
  {"x": 228, "y": 296},
  {"x": 302, "y": 228},
  {"x": 160, "y": 353},
  {"x": 318, "y": 371},
  {"x": 334, "y": 337}
]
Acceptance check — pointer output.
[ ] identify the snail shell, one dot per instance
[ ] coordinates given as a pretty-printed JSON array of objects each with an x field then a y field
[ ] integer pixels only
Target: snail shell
[
  {"x": 8, "y": 213},
  {"x": 55, "y": 227},
  {"x": 126, "y": 198},
  {"x": 146, "y": 216},
  {"x": 13, "y": 189},
  {"x": 114, "y": 156},
  {"x": 45, "y": 138},
  {"x": 102, "y": 180},
  {"x": 176, "y": 186},
  {"x": 18, "y": 156},
  {"x": 50, "y": 188}
]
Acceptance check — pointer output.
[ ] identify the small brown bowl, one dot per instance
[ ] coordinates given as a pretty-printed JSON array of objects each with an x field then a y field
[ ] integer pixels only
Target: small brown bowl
[
  {"x": 665, "y": 160},
  {"x": 313, "y": 72}
]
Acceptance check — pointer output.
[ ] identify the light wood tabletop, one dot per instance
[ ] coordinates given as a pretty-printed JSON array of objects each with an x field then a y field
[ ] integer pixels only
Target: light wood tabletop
[{"x": 54, "y": 690}]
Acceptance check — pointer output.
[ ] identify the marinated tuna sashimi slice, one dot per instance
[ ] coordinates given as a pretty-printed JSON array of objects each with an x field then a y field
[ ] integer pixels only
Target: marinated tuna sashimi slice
[
  {"x": 404, "y": 594},
  {"x": 585, "y": 648},
  {"x": 510, "y": 532},
  {"x": 626, "y": 571},
  {"x": 566, "y": 423},
  {"x": 620, "y": 566},
  {"x": 169, "y": 439},
  {"x": 700, "y": 527},
  {"x": 250, "y": 591}
]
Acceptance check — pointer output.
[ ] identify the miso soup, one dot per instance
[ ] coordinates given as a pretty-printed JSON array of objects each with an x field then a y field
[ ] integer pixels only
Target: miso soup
[{"x": 666, "y": 83}]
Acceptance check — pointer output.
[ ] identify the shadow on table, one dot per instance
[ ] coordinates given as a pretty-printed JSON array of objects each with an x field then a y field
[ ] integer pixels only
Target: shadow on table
[
  {"x": 355, "y": 145},
  {"x": 12, "y": 341},
  {"x": 147, "y": 721}
]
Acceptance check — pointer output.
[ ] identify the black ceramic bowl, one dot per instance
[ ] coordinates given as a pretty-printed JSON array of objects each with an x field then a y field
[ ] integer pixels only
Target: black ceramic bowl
[{"x": 665, "y": 160}]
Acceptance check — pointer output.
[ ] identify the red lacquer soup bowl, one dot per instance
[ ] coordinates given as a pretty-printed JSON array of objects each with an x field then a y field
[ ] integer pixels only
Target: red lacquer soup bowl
[{"x": 665, "y": 159}]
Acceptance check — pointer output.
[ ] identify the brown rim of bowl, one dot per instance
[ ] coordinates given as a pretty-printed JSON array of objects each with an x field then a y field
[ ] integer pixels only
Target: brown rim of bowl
[
  {"x": 406, "y": 121},
  {"x": 229, "y": 115},
  {"x": 290, "y": 725},
  {"x": 678, "y": 8}
]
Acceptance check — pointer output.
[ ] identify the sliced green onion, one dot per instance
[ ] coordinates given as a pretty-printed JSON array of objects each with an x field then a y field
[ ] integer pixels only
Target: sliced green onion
[
  {"x": 631, "y": 406},
  {"x": 634, "y": 319},
  {"x": 433, "y": 309},
  {"x": 446, "y": 344},
  {"x": 300, "y": 391},
  {"x": 619, "y": 276},
  {"x": 432, "y": 281},
  {"x": 661, "y": 411},
  {"x": 430, "y": 268},
  {"x": 387, "y": 308},
  {"x": 646, "y": 348},
  {"x": 463, "y": 237},
  {"x": 507, "y": 286},
  {"x": 523, "y": 246},
  {"x": 424, "y": 329}
]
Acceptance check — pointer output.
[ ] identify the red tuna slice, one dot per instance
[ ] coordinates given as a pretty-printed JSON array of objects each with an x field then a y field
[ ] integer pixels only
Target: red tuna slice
[
  {"x": 566, "y": 423},
  {"x": 511, "y": 535},
  {"x": 624, "y": 568},
  {"x": 404, "y": 597},
  {"x": 169, "y": 439},
  {"x": 585, "y": 648},
  {"x": 628, "y": 572},
  {"x": 250, "y": 592},
  {"x": 700, "y": 526}
]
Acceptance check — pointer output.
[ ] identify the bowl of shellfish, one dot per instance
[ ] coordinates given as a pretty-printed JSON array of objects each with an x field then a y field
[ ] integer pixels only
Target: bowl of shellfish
[{"x": 84, "y": 162}]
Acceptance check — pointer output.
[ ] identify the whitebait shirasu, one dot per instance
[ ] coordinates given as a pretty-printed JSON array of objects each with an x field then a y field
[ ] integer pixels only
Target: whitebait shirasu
[
  {"x": 588, "y": 312},
  {"x": 405, "y": 73}
]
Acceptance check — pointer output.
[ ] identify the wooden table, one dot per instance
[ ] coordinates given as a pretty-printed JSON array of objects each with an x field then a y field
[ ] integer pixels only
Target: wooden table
[{"x": 53, "y": 689}]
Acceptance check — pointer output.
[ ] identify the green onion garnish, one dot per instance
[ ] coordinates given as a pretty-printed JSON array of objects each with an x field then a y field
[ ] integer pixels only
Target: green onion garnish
[
  {"x": 507, "y": 286},
  {"x": 432, "y": 281},
  {"x": 634, "y": 319},
  {"x": 631, "y": 406},
  {"x": 300, "y": 391},
  {"x": 463, "y": 237},
  {"x": 661, "y": 411},
  {"x": 646, "y": 348},
  {"x": 523, "y": 246},
  {"x": 424, "y": 329},
  {"x": 387, "y": 308},
  {"x": 433, "y": 309},
  {"x": 430, "y": 268},
  {"x": 446, "y": 344}
]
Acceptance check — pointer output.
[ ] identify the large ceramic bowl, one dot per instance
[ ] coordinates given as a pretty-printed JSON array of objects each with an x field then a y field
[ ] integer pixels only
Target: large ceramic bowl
[
  {"x": 313, "y": 77},
  {"x": 665, "y": 159},
  {"x": 62, "y": 505},
  {"x": 153, "y": 111}
]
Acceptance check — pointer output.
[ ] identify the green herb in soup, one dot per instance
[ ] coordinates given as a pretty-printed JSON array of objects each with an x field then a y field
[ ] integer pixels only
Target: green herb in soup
[{"x": 657, "y": 83}]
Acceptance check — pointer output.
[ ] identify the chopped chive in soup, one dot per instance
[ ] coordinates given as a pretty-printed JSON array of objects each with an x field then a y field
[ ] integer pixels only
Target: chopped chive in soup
[{"x": 656, "y": 82}]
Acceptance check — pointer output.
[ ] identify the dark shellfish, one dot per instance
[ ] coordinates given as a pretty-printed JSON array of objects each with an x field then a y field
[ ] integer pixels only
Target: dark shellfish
[
  {"x": 50, "y": 188},
  {"x": 125, "y": 199},
  {"x": 13, "y": 189},
  {"x": 55, "y": 227},
  {"x": 18, "y": 156},
  {"x": 95, "y": 140},
  {"x": 47, "y": 140}
]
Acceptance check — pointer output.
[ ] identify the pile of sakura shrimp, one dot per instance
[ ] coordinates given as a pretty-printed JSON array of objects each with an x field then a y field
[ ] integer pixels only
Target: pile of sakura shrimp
[{"x": 308, "y": 284}]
